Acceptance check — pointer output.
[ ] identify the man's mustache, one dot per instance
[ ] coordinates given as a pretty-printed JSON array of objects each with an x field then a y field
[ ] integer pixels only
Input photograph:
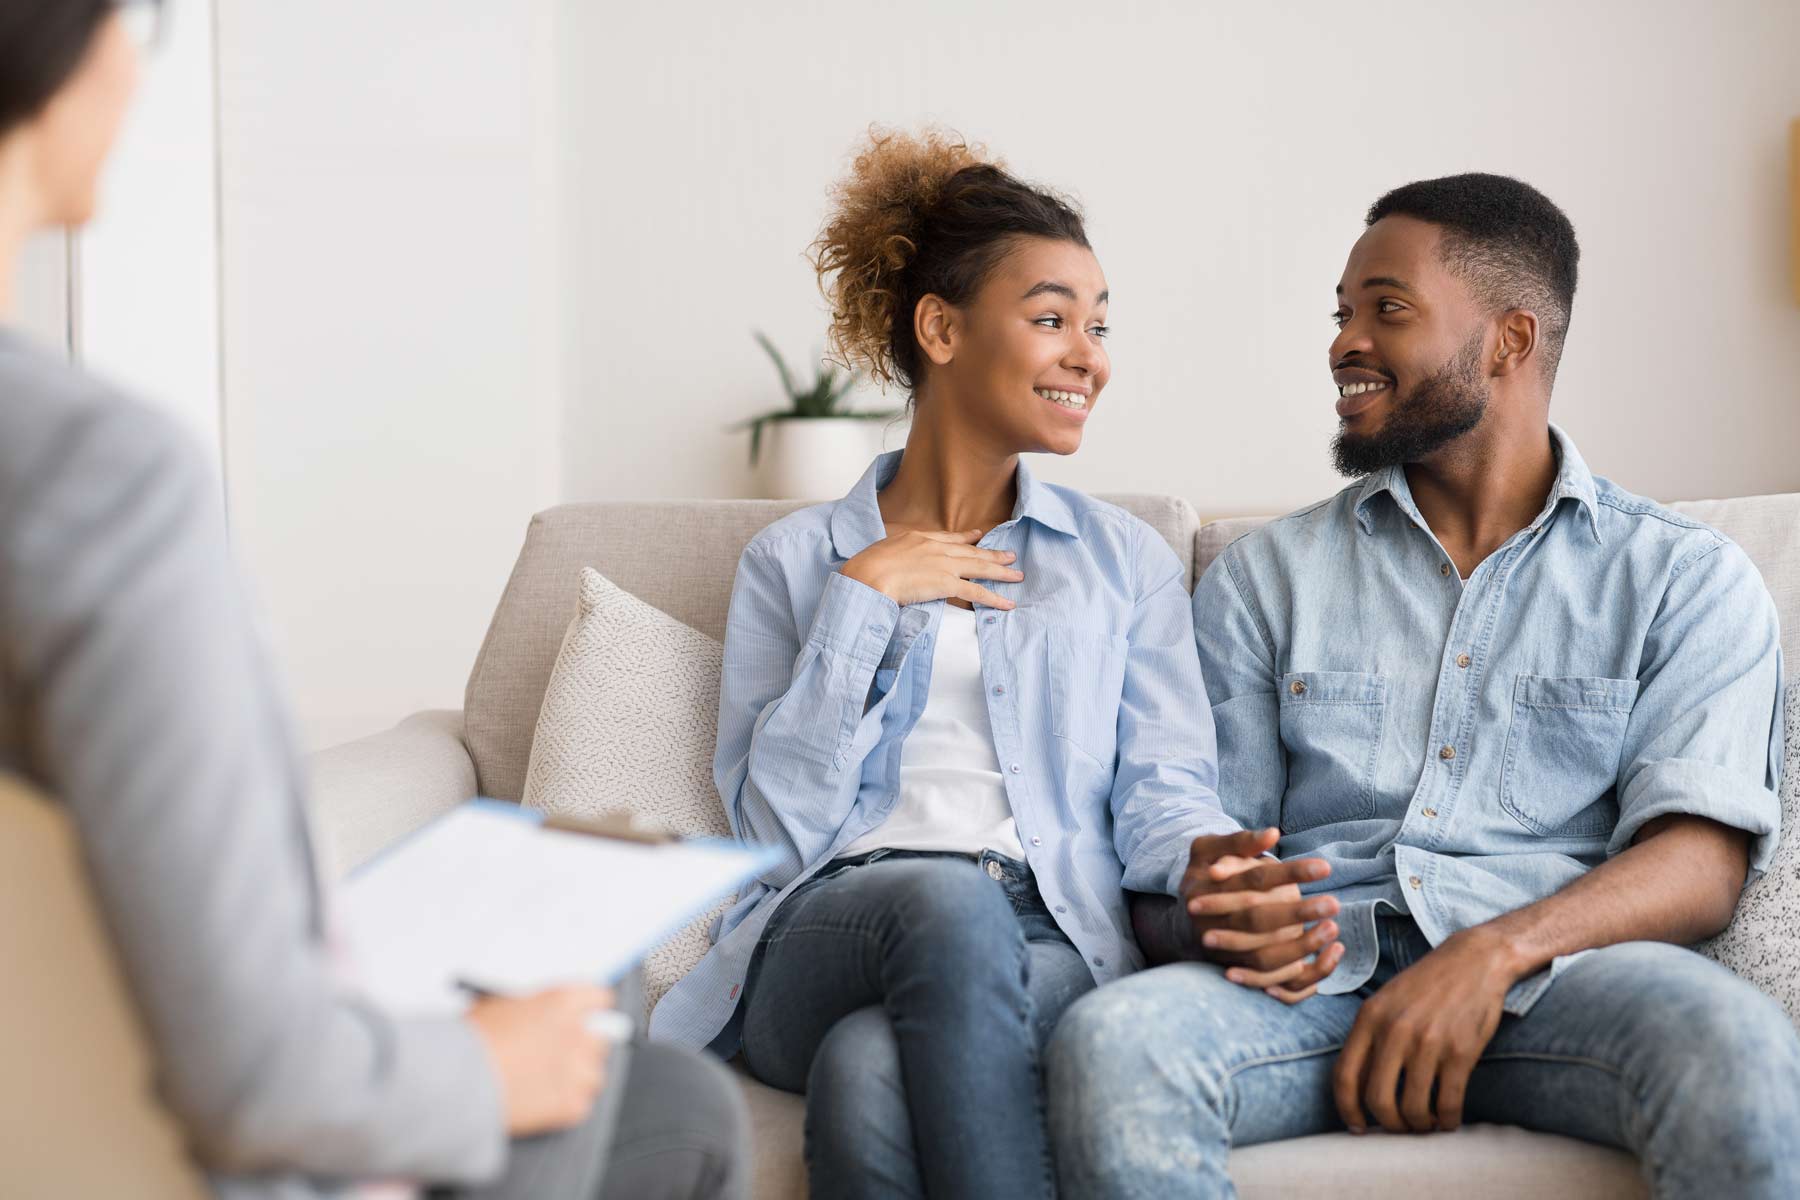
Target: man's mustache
[{"x": 1350, "y": 364}]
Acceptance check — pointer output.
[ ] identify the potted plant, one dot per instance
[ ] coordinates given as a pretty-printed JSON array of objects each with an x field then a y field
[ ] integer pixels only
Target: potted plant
[{"x": 816, "y": 447}]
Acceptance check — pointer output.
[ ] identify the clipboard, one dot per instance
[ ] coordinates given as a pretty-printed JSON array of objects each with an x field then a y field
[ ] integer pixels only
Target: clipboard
[{"x": 501, "y": 897}]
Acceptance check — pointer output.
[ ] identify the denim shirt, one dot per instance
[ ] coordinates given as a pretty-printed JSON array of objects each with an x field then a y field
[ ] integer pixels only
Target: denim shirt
[
  {"x": 1457, "y": 751},
  {"x": 1093, "y": 688}
]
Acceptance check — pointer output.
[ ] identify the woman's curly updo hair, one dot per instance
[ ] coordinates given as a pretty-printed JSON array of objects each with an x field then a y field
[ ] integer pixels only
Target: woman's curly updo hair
[{"x": 920, "y": 215}]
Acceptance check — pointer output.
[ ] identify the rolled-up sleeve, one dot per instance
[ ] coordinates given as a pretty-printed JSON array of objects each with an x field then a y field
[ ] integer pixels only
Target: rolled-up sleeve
[{"x": 1704, "y": 737}]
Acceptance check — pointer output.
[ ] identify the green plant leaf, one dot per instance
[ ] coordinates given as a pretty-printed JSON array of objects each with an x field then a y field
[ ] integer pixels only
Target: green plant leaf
[
  {"x": 840, "y": 390},
  {"x": 781, "y": 367},
  {"x": 825, "y": 397},
  {"x": 776, "y": 415},
  {"x": 818, "y": 401}
]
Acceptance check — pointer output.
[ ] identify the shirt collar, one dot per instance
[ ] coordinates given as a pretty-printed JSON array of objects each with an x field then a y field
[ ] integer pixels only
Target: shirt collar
[
  {"x": 1573, "y": 482},
  {"x": 856, "y": 522}
]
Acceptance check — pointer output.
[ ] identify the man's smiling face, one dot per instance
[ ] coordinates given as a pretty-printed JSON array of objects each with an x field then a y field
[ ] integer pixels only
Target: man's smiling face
[{"x": 1407, "y": 359}]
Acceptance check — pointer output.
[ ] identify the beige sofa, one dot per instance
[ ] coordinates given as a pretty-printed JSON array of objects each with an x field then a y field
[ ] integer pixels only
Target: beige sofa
[{"x": 680, "y": 556}]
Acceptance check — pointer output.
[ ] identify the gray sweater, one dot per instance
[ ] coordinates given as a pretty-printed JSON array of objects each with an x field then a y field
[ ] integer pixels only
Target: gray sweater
[{"x": 135, "y": 690}]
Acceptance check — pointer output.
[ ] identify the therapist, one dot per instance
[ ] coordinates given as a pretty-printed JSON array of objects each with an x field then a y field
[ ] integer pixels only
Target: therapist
[{"x": 134, "y": 690}]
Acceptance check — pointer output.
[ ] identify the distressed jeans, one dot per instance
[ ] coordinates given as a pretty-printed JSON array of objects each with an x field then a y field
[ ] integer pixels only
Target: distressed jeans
[
  {"x": 1644, "y": 1046},
  {"x": 909, "y": 995}
]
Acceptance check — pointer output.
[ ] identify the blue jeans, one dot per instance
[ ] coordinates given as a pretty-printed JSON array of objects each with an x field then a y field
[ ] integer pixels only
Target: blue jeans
[
  {"x": 910, "y": 996},
  {"x": 1644, "y": 1046}
]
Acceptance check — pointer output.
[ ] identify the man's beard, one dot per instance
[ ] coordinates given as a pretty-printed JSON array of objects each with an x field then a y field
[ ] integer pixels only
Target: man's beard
[{"x": 1439, "y": 410}]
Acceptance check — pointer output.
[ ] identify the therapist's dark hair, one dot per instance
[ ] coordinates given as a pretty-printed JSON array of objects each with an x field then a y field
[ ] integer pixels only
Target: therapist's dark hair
[
  {"x": 920, "y": 215},
  {"x": 41, "y": 44}
]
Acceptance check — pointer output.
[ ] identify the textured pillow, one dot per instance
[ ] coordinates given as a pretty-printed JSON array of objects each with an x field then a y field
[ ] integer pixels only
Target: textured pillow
[
  {"x": 1763, "y": 943},
  {"x": 628, "y": 725}
]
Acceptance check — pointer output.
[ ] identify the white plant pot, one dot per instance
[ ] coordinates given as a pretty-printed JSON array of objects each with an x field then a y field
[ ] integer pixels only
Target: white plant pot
[{"x": 816, "y": 458}]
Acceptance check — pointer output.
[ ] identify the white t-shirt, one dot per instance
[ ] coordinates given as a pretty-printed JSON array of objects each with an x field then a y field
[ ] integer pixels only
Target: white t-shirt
[{"x": 952, "y": 796}]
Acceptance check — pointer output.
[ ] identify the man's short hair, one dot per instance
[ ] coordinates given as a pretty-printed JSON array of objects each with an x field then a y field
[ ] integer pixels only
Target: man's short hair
[{"x": 1513, "y": 246}]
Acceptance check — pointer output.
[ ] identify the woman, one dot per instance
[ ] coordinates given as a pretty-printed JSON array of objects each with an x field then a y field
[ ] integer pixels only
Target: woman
[
  {"x": 134, "y": 691},
  {"x": 965, "y": 704}
]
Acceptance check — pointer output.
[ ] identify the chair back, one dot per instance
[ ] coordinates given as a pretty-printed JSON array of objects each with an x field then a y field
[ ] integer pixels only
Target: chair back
[{"x": 78, "y": 1113}]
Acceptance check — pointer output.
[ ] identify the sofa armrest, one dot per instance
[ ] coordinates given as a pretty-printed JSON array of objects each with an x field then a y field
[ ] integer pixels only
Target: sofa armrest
[{"x": 370, "y": 793}]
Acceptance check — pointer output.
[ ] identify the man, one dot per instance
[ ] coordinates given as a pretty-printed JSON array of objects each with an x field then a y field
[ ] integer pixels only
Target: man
[{"x": 1529, "y": 722}]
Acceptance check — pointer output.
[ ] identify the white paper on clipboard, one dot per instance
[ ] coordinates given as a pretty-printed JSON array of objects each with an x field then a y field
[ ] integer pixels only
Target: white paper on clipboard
[{"x": 487, "y": 895}]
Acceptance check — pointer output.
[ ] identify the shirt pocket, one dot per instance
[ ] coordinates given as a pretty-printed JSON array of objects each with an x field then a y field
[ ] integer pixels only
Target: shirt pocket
[
  {"x": 1562, "y": 753},
  {"x": 1331, "y": 726},
  {"x": 1087, "y": 679}
]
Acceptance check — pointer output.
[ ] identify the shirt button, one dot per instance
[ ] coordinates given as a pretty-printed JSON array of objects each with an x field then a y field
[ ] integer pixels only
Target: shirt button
[
  {"x": 1062, "y": 908},
  {"x": 1015, "y": 768},
  {"x": 995, "y": 871},
  {"x": 989, "y": 619},
  {"x": 1447, "y": 753},
  {"x": 1416, "y": 882},
  {"x": 1444, "y": 569},
  {"x": 1000, "y": 689},
  {"x": 1037, "y": 841},
  {"x": 1430, "y": 812},
  {"x": 1099, "y": 962},
  {"x": 1463, "y": 660},
  {"x": 1298, "y": 687}
]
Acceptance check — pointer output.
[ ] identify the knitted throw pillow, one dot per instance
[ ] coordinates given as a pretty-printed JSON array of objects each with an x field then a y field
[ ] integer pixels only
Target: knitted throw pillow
[{"x": 628, "y": 724}]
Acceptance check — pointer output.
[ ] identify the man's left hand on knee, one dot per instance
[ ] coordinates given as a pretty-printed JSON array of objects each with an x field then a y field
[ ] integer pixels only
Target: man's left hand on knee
[{"x": 1415, "y": 1042}]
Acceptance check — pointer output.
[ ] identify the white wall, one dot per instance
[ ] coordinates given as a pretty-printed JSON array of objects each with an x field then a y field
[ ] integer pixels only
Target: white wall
[
  {"x": 145, "y": 295},
  {"x": 480, "y": 258},
  {"x": 390, "y": 354},
  {"x": 1225, "y": 153}
]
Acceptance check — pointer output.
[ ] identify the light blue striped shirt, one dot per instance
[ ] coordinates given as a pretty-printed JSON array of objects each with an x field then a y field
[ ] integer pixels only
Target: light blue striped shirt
[
  {"x": 1093, "y": 690},
  {"x": 1460, "y": 750}
]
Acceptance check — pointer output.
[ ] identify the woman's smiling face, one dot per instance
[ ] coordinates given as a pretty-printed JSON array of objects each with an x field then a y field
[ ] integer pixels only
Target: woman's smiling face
[{"x": 1024, "y": 362}]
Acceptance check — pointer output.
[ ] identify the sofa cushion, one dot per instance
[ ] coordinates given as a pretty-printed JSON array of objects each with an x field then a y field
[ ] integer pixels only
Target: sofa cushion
[
  {"x": 1480, "y": 1162},
  {"x": 678, "y": 556},
  {"x": 1763, "y": 943},
  {"x": 627, "y": 726},
  {"x": 1214, "y": 536},
  {"x": 1477, "y": 1162},
  {"x": 1768, "y": 530}
]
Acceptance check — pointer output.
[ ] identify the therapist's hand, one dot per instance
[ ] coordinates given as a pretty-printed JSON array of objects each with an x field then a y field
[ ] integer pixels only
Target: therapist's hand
[{"x": 551, "y": 1067}]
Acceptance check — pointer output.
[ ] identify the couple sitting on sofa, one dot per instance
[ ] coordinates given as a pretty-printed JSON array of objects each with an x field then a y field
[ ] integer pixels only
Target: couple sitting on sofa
[
  {"x": 1511, "y": 729},
  {"x": 1062, "y": 740}
]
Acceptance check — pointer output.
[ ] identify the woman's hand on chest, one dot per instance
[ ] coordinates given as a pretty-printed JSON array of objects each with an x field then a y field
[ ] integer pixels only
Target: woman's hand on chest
[{"x": 918, "y": 566}]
